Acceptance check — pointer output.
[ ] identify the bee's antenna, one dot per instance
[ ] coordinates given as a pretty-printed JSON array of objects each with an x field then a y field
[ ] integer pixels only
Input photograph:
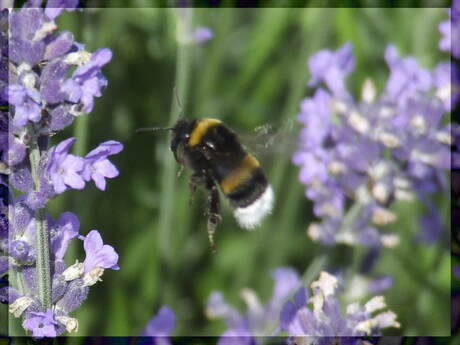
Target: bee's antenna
[{"x": 153, "y": 129}]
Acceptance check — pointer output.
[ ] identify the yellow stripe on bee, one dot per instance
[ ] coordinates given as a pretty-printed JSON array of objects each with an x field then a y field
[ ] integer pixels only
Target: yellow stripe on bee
[
  {"x": 200, "y": 130},
  {"x": 239, "y": 175}
]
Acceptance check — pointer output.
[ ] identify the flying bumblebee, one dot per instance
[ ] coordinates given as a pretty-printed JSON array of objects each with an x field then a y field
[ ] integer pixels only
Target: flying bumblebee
[{"x": 218, "y": 160}]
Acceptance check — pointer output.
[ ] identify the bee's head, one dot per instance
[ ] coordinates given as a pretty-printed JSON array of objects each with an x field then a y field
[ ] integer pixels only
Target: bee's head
[{"x": 181, "y": 134}]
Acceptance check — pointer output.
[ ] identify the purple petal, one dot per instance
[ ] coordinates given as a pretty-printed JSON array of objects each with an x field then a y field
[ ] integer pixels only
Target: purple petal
[
  {"x": 64, "y": 146},
  {"x": 290, "y": 308},
  {"x": 58, "y": 183},
  {"x": 332, "y": 68},
  {"x": 60, "y": 45},
  {"x": 105, "y": 149},
  {"x": 61, "y": 118},
  {"x": 16, "y": 94},
  {"x": 106, "y": 168},
  {"x": 41, "y": 324},
  {"x": 93, "y": 242},
  {"x": 99, "y": 180},
  {"x": 16, "y": 151},
  {"x": 286, "y": 281},
  {"x": 29, "y": 110},
  {"x": 55, "y": 7},
  {"x": 304, "y": 323},
  {"x": 21, "y": 179},
  {"x": 72, "y": 89},
  {"x": 51, "y": 80},
  {"x": 63, "y": 231},
  {"x": 162, "y": 324},
  {"x": 101, "y": 57},
  {"x": 287, "y": 315},
  {"x": 97, "y": 254}
]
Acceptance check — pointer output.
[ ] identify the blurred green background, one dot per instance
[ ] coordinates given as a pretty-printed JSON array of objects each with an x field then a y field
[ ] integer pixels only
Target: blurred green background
[{"x": 253, "y": 72}]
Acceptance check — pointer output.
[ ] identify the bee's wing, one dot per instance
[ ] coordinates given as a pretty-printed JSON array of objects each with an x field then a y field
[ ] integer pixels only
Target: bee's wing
[{"x": 269, "y": 139}]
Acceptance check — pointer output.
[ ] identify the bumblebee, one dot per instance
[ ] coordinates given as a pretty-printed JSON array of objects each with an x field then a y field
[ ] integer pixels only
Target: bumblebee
[{"x": 218, "y": 160}]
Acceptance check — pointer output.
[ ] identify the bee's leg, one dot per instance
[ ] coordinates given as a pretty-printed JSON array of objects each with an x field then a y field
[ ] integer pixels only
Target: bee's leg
[
  {"x": 195, "y": 180},
  {"x": 214, "y": 217},
  {"x": 179, "y": 172}
]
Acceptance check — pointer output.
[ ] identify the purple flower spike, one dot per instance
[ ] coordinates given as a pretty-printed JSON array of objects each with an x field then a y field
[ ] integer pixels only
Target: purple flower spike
[
  {"x": 87, "y": 81},
  {"x": 332, "y": 68},
  {"x": 43, "y": 99},
  {"x": 98, "y": 255},
  {"x": 162, "y": 324},
  {"x": 55, "y": 7},
  {"x": 62, "y": 232},
  {"x": 41, "y": 324},
  {"x": 398, "y": 141},
  {"x": 98, "y": 167},
  {"x": 65, "y": 168}
]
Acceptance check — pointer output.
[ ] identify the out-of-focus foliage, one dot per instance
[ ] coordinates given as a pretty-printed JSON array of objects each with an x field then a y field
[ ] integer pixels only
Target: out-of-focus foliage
[{"x": 252, "y": 73}]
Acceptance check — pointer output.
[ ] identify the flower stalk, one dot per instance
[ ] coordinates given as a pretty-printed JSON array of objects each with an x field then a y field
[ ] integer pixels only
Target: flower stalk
[
  {"x": 43, "y": 251},
  {"x": 53, "y": 81}
]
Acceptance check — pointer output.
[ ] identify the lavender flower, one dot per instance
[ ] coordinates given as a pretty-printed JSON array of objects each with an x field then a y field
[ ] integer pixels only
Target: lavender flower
[
  {"x": 260, "y": 320},
  {"x": 98, "y": 167},
  {"x": 65, "y": 168},
  {"x": 42, "y": 324},
  {"x": 43, "y": 99},
  {"x": 87, "y": 80},
  {"x": 99, "y": 256},
  {"x": 325, "y": 318},
  {"x": 371, "y": 152}
]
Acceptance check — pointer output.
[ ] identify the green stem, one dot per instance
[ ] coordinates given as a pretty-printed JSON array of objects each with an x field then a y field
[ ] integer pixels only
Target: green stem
[
  {"x": 315, "y": 267},
  {"x": 43, "y": 253},
  {"x": 168, "y": 177},
  {"x": 81, "y": 133},
  {"x": 16, "y": 280}
]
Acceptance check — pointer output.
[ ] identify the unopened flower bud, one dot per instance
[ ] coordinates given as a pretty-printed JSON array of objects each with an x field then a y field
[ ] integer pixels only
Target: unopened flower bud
[
  {"x": 73, "y": 272},
  {"x": 93, "y": 276},
  {"x": 20, "y": 305},
  {"x": 70, "y": 323}
]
